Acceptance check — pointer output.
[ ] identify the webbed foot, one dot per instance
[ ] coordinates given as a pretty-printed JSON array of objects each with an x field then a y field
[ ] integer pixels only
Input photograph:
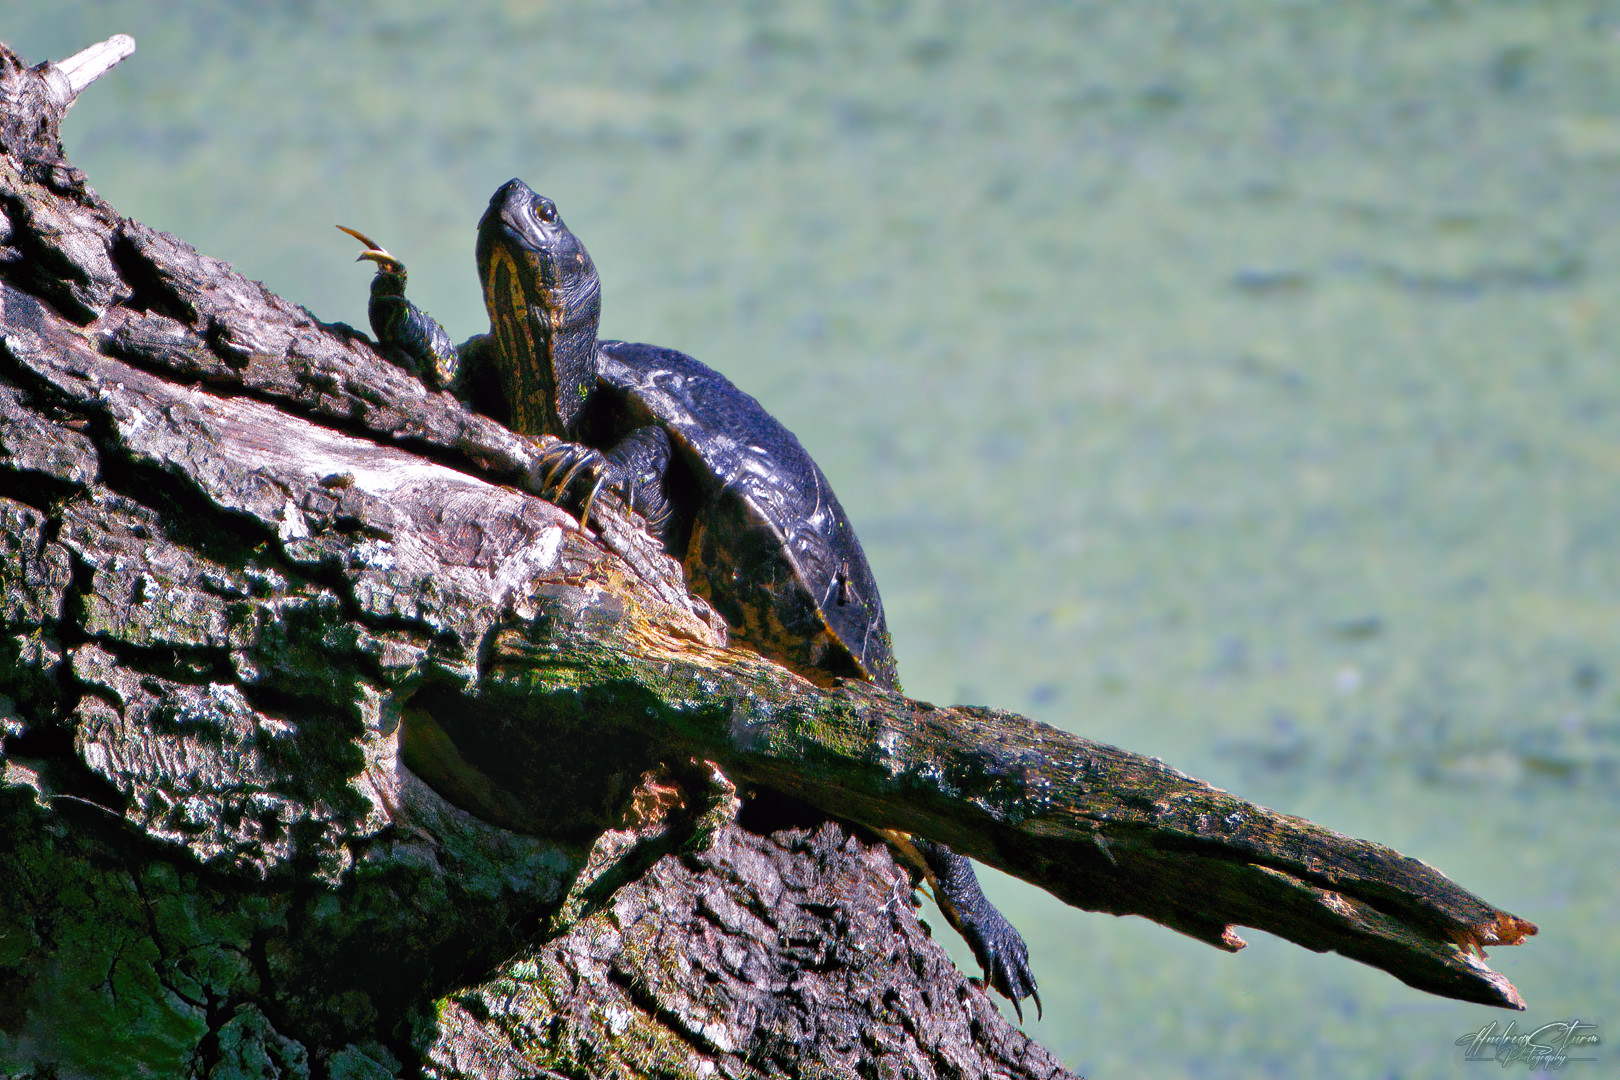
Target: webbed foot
[{"x": 996, "y": 944}]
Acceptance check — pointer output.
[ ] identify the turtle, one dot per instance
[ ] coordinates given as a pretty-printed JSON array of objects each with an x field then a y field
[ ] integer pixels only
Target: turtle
[{"x": 724, "y": 486}]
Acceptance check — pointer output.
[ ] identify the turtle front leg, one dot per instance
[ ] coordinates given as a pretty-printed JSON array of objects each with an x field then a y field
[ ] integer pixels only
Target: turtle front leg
[
  {"x": 410, "y": 337},
  {"x": 574, "y": 474},
  {"x": 996, "y": 944}
]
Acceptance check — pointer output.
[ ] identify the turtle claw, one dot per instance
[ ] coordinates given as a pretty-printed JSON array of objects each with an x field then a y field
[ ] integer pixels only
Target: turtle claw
[
  {"x": 573, "y": 474},
  {"x": 562, "y": 464},
  {"x": 553, "y": 463},
  {"x": 596, "y": 489},
  {"x": 375, "y": 252},
  {"x": 1011, "y": 977}
]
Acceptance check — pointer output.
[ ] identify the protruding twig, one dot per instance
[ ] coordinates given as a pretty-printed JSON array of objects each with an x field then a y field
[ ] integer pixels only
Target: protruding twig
[{"x": 68, "y": 78}]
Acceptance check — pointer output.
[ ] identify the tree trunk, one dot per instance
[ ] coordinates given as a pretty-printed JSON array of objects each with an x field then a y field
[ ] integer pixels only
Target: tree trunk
[{"x": 329, "y": 752}]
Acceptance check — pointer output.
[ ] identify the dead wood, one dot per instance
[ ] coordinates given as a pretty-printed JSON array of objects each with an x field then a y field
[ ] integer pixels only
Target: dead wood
[{"x": 327, "y": 746}]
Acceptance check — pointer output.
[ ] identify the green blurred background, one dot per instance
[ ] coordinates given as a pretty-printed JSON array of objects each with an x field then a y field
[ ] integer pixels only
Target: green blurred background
[{"x": 1234, "y": 382}]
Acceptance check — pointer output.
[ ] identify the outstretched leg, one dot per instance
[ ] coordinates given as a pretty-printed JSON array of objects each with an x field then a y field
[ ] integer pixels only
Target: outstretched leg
[
  {"x": 996, "y": 944},
  {"x": 410, "y": 337}
]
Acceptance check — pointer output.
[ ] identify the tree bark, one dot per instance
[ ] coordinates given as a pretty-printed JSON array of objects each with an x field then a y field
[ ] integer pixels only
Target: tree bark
[{"x": 329, "y": 751}]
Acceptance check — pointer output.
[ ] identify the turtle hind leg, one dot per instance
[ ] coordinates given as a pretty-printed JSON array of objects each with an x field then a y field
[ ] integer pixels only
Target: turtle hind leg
[{"x": 996, "y": 944}]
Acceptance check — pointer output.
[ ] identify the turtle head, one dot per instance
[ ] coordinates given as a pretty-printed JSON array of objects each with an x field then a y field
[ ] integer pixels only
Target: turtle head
[{"x": 544, "y": 300}]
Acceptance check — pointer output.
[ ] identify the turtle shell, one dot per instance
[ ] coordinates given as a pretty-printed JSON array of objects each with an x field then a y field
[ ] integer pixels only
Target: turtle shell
[{"x": 768, "y": 545}]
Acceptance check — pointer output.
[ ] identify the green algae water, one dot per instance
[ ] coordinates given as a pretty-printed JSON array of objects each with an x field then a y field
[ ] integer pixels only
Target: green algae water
[{"x": 1237, "y": 383}]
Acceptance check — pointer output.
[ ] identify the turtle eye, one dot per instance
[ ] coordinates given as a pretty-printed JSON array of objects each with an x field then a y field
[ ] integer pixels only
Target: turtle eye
[{"x": 545, "y": 209}]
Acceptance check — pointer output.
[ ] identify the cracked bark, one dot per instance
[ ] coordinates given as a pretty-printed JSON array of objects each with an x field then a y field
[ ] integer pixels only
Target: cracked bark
[{"x": 285, "y": 669}]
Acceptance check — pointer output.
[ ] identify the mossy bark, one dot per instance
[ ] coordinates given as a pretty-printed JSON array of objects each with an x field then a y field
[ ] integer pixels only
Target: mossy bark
[{"x": 327, "y": 751}]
